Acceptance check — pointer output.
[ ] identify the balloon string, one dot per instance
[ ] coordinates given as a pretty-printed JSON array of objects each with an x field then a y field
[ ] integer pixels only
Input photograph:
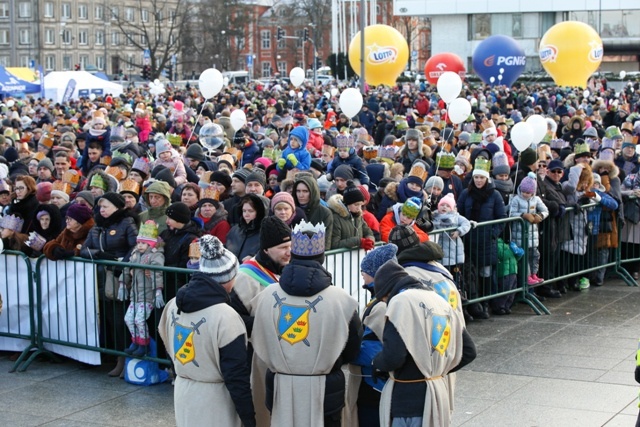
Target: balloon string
[
  {"x": 514, "y": 187},
  {"x": 437, "y": 166},
  {"x": 196, "y": 123}
]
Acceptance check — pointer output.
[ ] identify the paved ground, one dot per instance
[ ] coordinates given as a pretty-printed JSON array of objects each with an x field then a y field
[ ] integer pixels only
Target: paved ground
[{"x": 573, "y": 368}]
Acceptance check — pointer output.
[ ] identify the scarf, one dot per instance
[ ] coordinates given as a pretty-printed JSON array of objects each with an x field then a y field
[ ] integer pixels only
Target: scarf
[
  {"x": 404, "y": 193},
  {"x": 479, "y": 197},
  {"x": 504, "y": 187}
]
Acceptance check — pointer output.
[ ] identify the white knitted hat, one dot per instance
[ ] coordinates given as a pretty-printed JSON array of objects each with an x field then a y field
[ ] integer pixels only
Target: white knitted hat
[{"x": 216, "y": 260}]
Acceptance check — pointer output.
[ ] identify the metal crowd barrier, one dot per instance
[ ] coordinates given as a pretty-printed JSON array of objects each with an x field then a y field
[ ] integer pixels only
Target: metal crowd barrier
[{"x": 62, "y": 307}]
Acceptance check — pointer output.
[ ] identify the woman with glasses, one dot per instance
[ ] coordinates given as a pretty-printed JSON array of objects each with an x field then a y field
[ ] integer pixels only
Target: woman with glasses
[
  {"x": 78, "y": 222},
  {"x": 24, "y": 202}
]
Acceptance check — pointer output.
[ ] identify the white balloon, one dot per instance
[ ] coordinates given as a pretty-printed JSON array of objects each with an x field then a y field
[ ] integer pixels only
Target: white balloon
[
  {"x": 623, "y": 74},
  {"x": 500, "y": 77},
  {"x": 327, "y": 95},
  {"x": 156, "y": 81},
  {"x": 459, "y": 110},
  {"x": 210, "y": 83},
  {"x": 417, "y": 82},
  {"x": 335, "y": 92},
  {"x": 449, "y": 86},
  {"x": 522, "y": 136},
  {"x": 238, "y": 119},
  {"x": 11, "y": 103},
  {"x": 492, "y": 79},
  {"x": 538, "y": 126},
  {"x": 292, "y": 93},
  {"x": 296, "y": 76},
  {"x": 350, "y": 102},
  {"x": 586, "y": 93},
  {"x": 92, "y": 96},
  {"x": 299, "y": 94},
  {"x": 225, "y": 81}
]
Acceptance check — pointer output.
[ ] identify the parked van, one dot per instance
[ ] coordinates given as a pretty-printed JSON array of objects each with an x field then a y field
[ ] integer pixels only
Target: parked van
[{"x": 236, "y": 77}]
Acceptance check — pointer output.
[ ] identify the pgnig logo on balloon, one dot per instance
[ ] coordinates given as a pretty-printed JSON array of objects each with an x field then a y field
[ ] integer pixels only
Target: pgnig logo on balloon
[
  {"x": 382, "y": 54},
  {"x": 596, "y": 52},
  {"x": 505, "y": 60},
  {"x": 548, "y": 53}
]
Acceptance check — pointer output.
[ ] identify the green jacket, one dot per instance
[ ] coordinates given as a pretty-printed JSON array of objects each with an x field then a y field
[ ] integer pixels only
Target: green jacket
[
  {"x": 157, "y": 214},
  {"x": 507, "y": 262},
  {"x": 347, "y": 230}
]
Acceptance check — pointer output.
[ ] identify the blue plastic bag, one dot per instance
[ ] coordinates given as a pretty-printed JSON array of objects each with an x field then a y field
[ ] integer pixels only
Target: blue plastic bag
[{"x": 144, "y": 372}]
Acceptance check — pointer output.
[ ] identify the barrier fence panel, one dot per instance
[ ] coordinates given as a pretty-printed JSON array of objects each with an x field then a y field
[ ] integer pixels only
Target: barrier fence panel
[
  {"x": 344, "y": 266},
  {"x": 17, "y": 322},
  {"x": 628, "y": 255}
]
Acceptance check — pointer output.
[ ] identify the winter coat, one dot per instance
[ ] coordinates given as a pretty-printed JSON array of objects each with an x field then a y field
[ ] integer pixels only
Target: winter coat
[
  {"x": 609, "y": 219},
  {"x": 518, "y": 207},
  {"x": 116, "y": 235},
  {"x": 243, "y": 239},
  {"x": 391, "y": 219},
  {"x": 70, "y": 242},
  {"x": 556, "y": 228},
  {"x": 316, "y": 141},
  {"x": 315, "y": 212},
  {"x": 27, "y": 209},
  {"x": 355, "y": 162},
  {"x": 480, "y": 242},
  {"x": 217, "y": 225},
  {"x": 157, "y": 214},
  {"x": 250, "y": 153},
  {"x": 301, "y": 154},
  {"x": 594, "y": 215},
  {"x": 143, "y": 124},
  {"x": 396, "y": 192},
  {"x": 142, "y": 287},
  {"x": 577, "y": 217},
  {"x": 176, "y": 166},
  {"x": 628, "y": 166},
  {"x": 347, "y": 229},
  {"x": 453, "y": 249},
  {"x": 176, "y": 254},
  {"x": 507, "y": 262}
]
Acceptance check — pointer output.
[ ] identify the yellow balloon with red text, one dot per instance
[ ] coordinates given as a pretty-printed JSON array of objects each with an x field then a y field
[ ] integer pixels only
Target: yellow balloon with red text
[{"x": 386, "y": 54}]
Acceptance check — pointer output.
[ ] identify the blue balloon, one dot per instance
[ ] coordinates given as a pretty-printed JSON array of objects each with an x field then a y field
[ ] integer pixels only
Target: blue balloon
[{"x": 499, "y": 60}]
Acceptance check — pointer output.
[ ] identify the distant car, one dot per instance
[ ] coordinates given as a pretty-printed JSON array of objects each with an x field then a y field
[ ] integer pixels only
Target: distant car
[{"x": 325, "y": 79}]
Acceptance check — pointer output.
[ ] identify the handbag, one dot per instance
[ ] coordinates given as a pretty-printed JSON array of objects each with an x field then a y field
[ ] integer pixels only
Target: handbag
[{"x": 632, "y": 210}]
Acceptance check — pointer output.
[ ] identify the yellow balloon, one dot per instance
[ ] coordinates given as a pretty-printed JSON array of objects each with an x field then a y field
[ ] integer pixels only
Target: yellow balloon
[
  {"x": 570, "y": 52},
  {"x": 386, "y": 54}
]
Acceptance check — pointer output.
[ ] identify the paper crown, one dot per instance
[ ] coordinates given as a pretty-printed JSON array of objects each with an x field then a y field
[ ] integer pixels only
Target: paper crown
[
  {"x": 4, "y": 186},
  {"x": 39, "y": 156},
  {"x": 475, "y": 138},
  {"x": 148, "y": 232},
  {"x": 210, "y": 193},
  {"x": 115, "y": 172},
  {"x": 141, "y": 165},
  {"x": 420, "y": 171},
  {"x": 118, "y": 132},
  {"x": 194, "y": 249},
  {"x": 582, "y": 148},
  {"x": 308, "y": 239},
  {"x": 345, "y": 141},
  {"x": 471, "y": 118},
  {"x": 36, "y": 241},
  {"x": 328, "y": 150},
  {"x": 544, "y": 152},
  {"x": 558, "y": 144},
  {"x": 229, "y": 158},
  {"x": 445, "y": 160},
  {"x": 125, "y": 156},
  {"x": 608, "y": 143},
  {"x": 61, "y": 186},
  {"x": 106, "y": 160},
  {"x": 26, "y": 137},
  {"x": 130, "y": 186},
  {"x": 388, "y": 152},
  {"x": 546, "y": 140},
  {"x": 98, "y": 181},
  {"x": 12, "y": 222},
  {"x": 628, "y": 126},
  {"x": 174, "y": 139},
  {"x": 594, "y": 143},
  {"x": 71, "y": 177},
  {"x": 482, "y": 167},
  {"x": 613, "y": 132},
  {"x": 370, "y": 152},
  {"x": 46, "y": 140}
]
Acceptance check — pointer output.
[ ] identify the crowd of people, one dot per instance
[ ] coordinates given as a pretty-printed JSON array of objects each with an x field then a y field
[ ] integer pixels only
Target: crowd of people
[{"x": 168, "y": 181}]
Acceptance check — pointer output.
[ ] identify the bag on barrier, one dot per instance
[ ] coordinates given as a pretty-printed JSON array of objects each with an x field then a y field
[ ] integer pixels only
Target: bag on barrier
[
  {"x": 110, "y": 285},
  {"x": 144, "y": 372},
  {"x": 632, "y": 210}
]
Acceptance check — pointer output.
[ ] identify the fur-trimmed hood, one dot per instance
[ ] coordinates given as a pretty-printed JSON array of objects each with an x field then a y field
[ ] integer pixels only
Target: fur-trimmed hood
[
  {"x": 609, "y": 166},
  {"x": 391, "y": 191},
  {"x": 336, "y": 205}
]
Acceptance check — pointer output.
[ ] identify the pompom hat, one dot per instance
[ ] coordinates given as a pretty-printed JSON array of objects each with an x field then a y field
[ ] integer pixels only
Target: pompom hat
[
  {"x": 529, "y": 184},
  {"x": 216, "y": 261}
]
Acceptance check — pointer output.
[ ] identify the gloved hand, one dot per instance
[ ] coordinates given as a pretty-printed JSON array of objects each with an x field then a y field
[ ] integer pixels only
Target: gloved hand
[
  {"x": 60, "y": 253},
  {"x": 378, "y": 375},
  {"x": 329, "y": 177},
  {"x": 105, "y": 255},
  {"x": 281, "y": 163},
  {"x": 528, "y": 217},
  {"x": 159, "y": 298},
  {"x": 292, "y": 158},
  {"x": 537, "y": 219},
  {"x": 596, "y": 198},
  {"x": 366, "y": 244},
  {"x": 123, "y": 292},
  {"x": 424, "y": 224},
  {"x": 562, "y": 209}
]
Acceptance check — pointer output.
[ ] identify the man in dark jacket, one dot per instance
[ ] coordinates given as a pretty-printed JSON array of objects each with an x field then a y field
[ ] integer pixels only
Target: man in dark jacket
[{"x": 305, "y": 329}]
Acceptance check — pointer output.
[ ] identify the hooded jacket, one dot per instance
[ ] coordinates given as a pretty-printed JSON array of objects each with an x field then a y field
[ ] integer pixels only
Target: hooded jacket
[
  {"x": 68, "y": 241},
  {"x": 176, "y": 253},
  {"x": 315, "y": 212},
  {"x": 157, "y": 214},
  {"x": 347, "y": 229},
  {"x": 359, "y": 171},
  {"x": 301, "y": 154},
  {"x": 243, "y": 239}
]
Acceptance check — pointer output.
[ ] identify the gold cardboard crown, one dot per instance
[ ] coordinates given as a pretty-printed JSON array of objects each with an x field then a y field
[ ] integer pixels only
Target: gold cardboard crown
[
  {"x": 61, "y": 186},
  {"x": 419, "y": 170},
  {"x": 130, "y": 186},
  {"x": 210, "y": 193},
  {"x": 115, "y": 172},
  {"x": 71, "y": 177}
]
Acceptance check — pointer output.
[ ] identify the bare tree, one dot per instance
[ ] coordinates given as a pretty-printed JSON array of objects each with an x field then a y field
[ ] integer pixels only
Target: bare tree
[
  {"x": 313, "y": 14},
  {"x": 158, "y": 26}
]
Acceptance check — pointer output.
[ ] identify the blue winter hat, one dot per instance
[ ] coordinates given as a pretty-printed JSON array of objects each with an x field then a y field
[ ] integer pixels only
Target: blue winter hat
[
  {"x": 301, "y": 133},
  {"x": 375, "y": 258},
  {"x": 314, "y": 124}
]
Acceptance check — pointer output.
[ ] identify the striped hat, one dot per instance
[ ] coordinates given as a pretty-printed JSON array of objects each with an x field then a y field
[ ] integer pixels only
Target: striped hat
[{"x": 216, "y": 260}]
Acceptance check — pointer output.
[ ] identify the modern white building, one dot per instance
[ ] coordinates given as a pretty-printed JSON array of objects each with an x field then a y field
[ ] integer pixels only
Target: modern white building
[{"x": 458, "y": 26}]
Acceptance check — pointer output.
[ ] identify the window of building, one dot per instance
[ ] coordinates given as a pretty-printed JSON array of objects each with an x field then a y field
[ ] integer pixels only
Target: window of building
[
  {"x": 4, "y": 61},
  {"x": 479, "y": 26},
  {"x": 129, "y": 40},
  {"x": 144, "y": 15},
  {"x": 99, "y": 38},
  {"x": 100, "y": 62},
  {"x": 240, "y": 43},
  {"x": 66, "y": 62},
  {"x": 24, "y": 61},
  {"x": 98, "y": 13},
  {"x": 84, "y": 60},
  {"x": 282, "y": 43},
  {"x": 300, "y": 64},
  {"x": 516, "y": 25},
  {"x": 50, "y": 62},
  {"x": 4, "y": 37},
  {"x": 266, "y": 68},
  {"x": 265, "y": 36},
  {"x": 66, "y": 10},
  {"x": 172, "y": 17},
  {"x": 83, "y": 37},
  {"x": 159, "y": 16},
  {"x": 131, "y": 60},
  {"x": 49, "y": 10},
  {"x": 299, "y": 35},
  {"x": 172, "y": 39},
  {"x": 24, "y": 10},
  {"x": 66, "y": 36},
  {"x": 143, "y": 40},
  {"x": 49, "y": 36},
  {"x": 282, "y": 67},
  {"x": 130, "y": 14},
  {"x": 83, "y": 11},
  {"x": 4, "y": 11},
  {"x": 25, "y": 36},
  {"x": 115, "y": 38},
  {"x": 114, "y": 14}
]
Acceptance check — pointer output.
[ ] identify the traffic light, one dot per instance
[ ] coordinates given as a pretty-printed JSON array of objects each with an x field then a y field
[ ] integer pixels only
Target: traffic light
[
  {"x": 318, "y": 62},
  {"x": 169, "y": 71},
  {"x": 146, "y": 72},
  {"x": 306, "y": 34},
  {"x": 280, "y": 34},
  {"x": 77, "y": 67}
]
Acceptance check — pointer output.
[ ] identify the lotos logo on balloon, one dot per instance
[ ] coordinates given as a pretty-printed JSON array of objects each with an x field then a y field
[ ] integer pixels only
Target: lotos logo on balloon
[
  {"x": 386, "y": 57},
  {"x": 499, "y": 60},
  {"x": 438, "y": 64},
  {"x": 571, "y": 52},
  {"x": 548, "y": 53},
  {"x": 382, "y": 54}
]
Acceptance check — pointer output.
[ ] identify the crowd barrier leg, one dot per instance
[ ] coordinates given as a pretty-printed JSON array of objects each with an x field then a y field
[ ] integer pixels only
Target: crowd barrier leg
[{"x": 619, "y": 270}]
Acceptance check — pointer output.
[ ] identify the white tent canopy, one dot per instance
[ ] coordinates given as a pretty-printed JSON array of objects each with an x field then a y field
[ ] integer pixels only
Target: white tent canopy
[{"x": 79, "y": 83}]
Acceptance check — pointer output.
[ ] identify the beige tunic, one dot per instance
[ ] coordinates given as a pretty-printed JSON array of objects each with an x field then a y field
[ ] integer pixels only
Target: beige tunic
[
  {"x": 300, "y": 339},
  {"x": 193, "y": 341},
  {"x": 428, "y": 327}
]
